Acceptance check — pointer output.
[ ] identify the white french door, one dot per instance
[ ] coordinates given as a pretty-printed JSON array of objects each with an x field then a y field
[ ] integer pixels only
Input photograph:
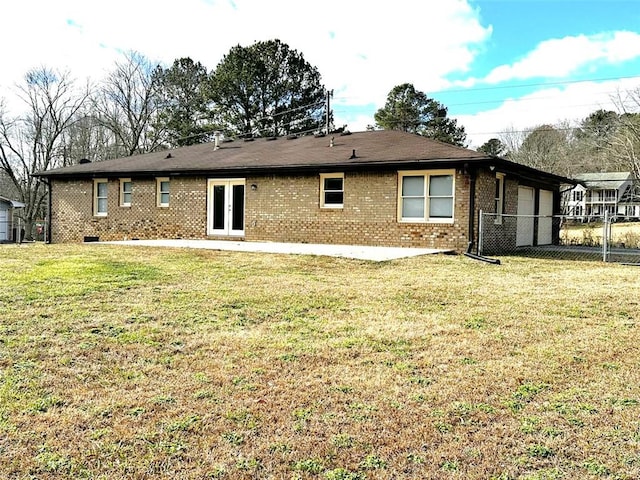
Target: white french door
[{"x": 225, "y": 206}]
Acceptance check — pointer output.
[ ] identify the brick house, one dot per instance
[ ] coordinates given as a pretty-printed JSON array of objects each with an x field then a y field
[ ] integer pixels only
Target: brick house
[{"x": 383, "y": 188}]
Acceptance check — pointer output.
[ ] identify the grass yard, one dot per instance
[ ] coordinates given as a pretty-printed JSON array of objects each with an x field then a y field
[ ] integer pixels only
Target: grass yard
[
  {"x": 623, "y": 234},
  {"x": 141, "y": 363}
]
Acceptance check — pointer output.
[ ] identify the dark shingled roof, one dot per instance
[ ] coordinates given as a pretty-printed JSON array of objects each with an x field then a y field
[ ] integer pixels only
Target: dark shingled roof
[{"x": 373, "y": 150}]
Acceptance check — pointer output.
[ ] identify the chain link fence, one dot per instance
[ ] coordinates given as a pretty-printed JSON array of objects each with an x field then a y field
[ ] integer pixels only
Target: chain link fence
[
  {"x": 597, "y": 238},
  {"x": 16, "y": 231}
]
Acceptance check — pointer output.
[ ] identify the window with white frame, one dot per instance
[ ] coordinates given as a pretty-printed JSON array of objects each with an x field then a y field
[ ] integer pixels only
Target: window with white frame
[
  {"x": 331, "y": 190},
  {"x": 162, "y": 191},
  {"x": 426, "y": 196},
  {"x": 125, "y": 192},
  {"x": 100, "y": 197},
  {"x": 499, "y": 197}
]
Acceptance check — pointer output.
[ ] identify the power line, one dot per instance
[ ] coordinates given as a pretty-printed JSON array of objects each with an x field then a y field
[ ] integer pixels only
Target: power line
[
  {"x": 539, "y": 84},
  {"x": 524, "y": 85}
]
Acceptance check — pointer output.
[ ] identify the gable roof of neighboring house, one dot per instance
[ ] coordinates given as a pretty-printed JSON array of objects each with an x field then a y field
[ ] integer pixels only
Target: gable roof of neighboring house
[
  {"x": 381, "y": 149},
  {"x": 605, "y": 180},
  {"x": 13, "y": 203}
]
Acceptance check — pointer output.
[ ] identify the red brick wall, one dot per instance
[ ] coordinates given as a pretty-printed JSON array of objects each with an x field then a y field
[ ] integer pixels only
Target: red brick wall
[{"x": 285, "y": 209}]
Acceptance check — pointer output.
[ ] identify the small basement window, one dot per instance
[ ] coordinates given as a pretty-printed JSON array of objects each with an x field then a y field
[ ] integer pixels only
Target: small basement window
[{"x": 331, "y": 190}]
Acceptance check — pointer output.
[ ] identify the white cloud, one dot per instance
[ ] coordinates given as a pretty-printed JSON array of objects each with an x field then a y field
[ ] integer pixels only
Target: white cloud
[
  {"x": 558, "y": 58},
  {"x": 362, "y": 49},
  {"x": 571, "y": 102}
]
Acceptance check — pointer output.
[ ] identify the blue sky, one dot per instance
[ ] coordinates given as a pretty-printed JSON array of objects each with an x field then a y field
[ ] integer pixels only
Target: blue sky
[{"x": 498, "y": 65}]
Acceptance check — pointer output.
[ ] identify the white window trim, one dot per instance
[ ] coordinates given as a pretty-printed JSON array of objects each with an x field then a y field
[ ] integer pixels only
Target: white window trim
[
  {"x": 96, "y": 182},
  {"x": 426, "y": 174},
  {"x": 122, "y": 192},
  {"x": 159, "y": 192},
  {"x": 500, "y": 199},
  {"x": 322, "y": 191}
]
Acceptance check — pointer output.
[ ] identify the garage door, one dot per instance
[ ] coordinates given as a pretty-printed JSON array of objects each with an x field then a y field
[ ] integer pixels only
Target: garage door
[
  {"x": 4, "y": 225},
  {"x": 545, "y": 222},
  {"x": 524, "y": 226}
]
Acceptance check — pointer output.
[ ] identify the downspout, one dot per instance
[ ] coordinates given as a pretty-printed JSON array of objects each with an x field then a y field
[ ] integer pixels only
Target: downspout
[
  {"x": 47, "y": 240},
  {"x": 472, "y": 215},
  {"x": 472, "y": 205}
]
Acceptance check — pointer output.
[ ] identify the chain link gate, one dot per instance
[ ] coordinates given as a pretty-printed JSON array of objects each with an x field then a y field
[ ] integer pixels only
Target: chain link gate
[{"x": 602, "y": 238}]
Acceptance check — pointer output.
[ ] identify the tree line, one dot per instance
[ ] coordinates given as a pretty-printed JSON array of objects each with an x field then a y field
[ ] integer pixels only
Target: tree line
[{"x": 604, "y": 141}]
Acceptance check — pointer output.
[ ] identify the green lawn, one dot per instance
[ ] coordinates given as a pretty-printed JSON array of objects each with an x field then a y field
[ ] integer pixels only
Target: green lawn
[{"x": 141, "y": 363}]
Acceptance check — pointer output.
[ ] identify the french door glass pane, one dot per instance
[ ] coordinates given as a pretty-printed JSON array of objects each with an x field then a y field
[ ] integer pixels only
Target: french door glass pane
[
  {"x": 237, "y": 219},
  {"x": 218, "y": 207}
]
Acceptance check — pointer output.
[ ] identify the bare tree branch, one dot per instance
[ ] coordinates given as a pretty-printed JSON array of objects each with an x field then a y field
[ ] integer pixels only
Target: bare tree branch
[
  {"x": 127, "y": 104},
  {"x": 32, "y": 142}
]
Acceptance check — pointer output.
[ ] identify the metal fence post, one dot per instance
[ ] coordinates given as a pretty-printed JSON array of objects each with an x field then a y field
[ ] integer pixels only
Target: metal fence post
[
  {"x": 480, "y": 232},
  {"x": 605, "y": 236}
]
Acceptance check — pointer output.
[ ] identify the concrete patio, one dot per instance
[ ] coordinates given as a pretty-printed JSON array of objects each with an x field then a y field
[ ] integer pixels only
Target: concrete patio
[{"x": 358, "y": 252}]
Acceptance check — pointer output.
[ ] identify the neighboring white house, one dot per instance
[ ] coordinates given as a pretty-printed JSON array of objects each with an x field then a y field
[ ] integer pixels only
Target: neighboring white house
[
  {"x": 7, "y": 218},
  {"x": 615, "y": 194}
]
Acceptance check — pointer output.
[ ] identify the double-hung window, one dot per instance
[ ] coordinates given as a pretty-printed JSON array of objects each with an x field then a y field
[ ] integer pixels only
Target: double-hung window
[
  {"x": 331, "y": 190},
  {"x": 100, "y": 197},
  {"x": 162, "y": 191},
  {"x": 426, "y": 196},
  {"x": 125, "y": 192}
]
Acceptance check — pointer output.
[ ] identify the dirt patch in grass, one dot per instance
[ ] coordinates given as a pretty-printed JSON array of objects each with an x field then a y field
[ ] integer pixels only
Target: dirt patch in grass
[{"x": 144, "y": 363}]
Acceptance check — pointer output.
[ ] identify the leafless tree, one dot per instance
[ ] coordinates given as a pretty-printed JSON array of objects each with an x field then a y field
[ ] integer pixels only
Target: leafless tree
[
  {"x": 32, "y": 142},
  {"x": 512, "y": 139},
  {"x": 625, "y": 143},
  {"x": 127, "y": 105}
]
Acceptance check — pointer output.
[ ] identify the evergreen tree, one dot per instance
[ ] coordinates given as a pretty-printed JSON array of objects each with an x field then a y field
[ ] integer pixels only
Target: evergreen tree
[
  {"x": 410, "y": 110},
  {"x": 267, "y": 89},
  {"x": 184, "y": 106}
]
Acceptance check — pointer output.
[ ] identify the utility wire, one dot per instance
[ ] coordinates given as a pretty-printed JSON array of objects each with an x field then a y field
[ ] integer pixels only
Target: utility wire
[{"x": 524, "y": 85}]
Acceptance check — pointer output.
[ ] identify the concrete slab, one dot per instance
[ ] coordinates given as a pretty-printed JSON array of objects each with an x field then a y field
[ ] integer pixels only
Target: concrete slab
[{"x": 359, "y": 252}]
